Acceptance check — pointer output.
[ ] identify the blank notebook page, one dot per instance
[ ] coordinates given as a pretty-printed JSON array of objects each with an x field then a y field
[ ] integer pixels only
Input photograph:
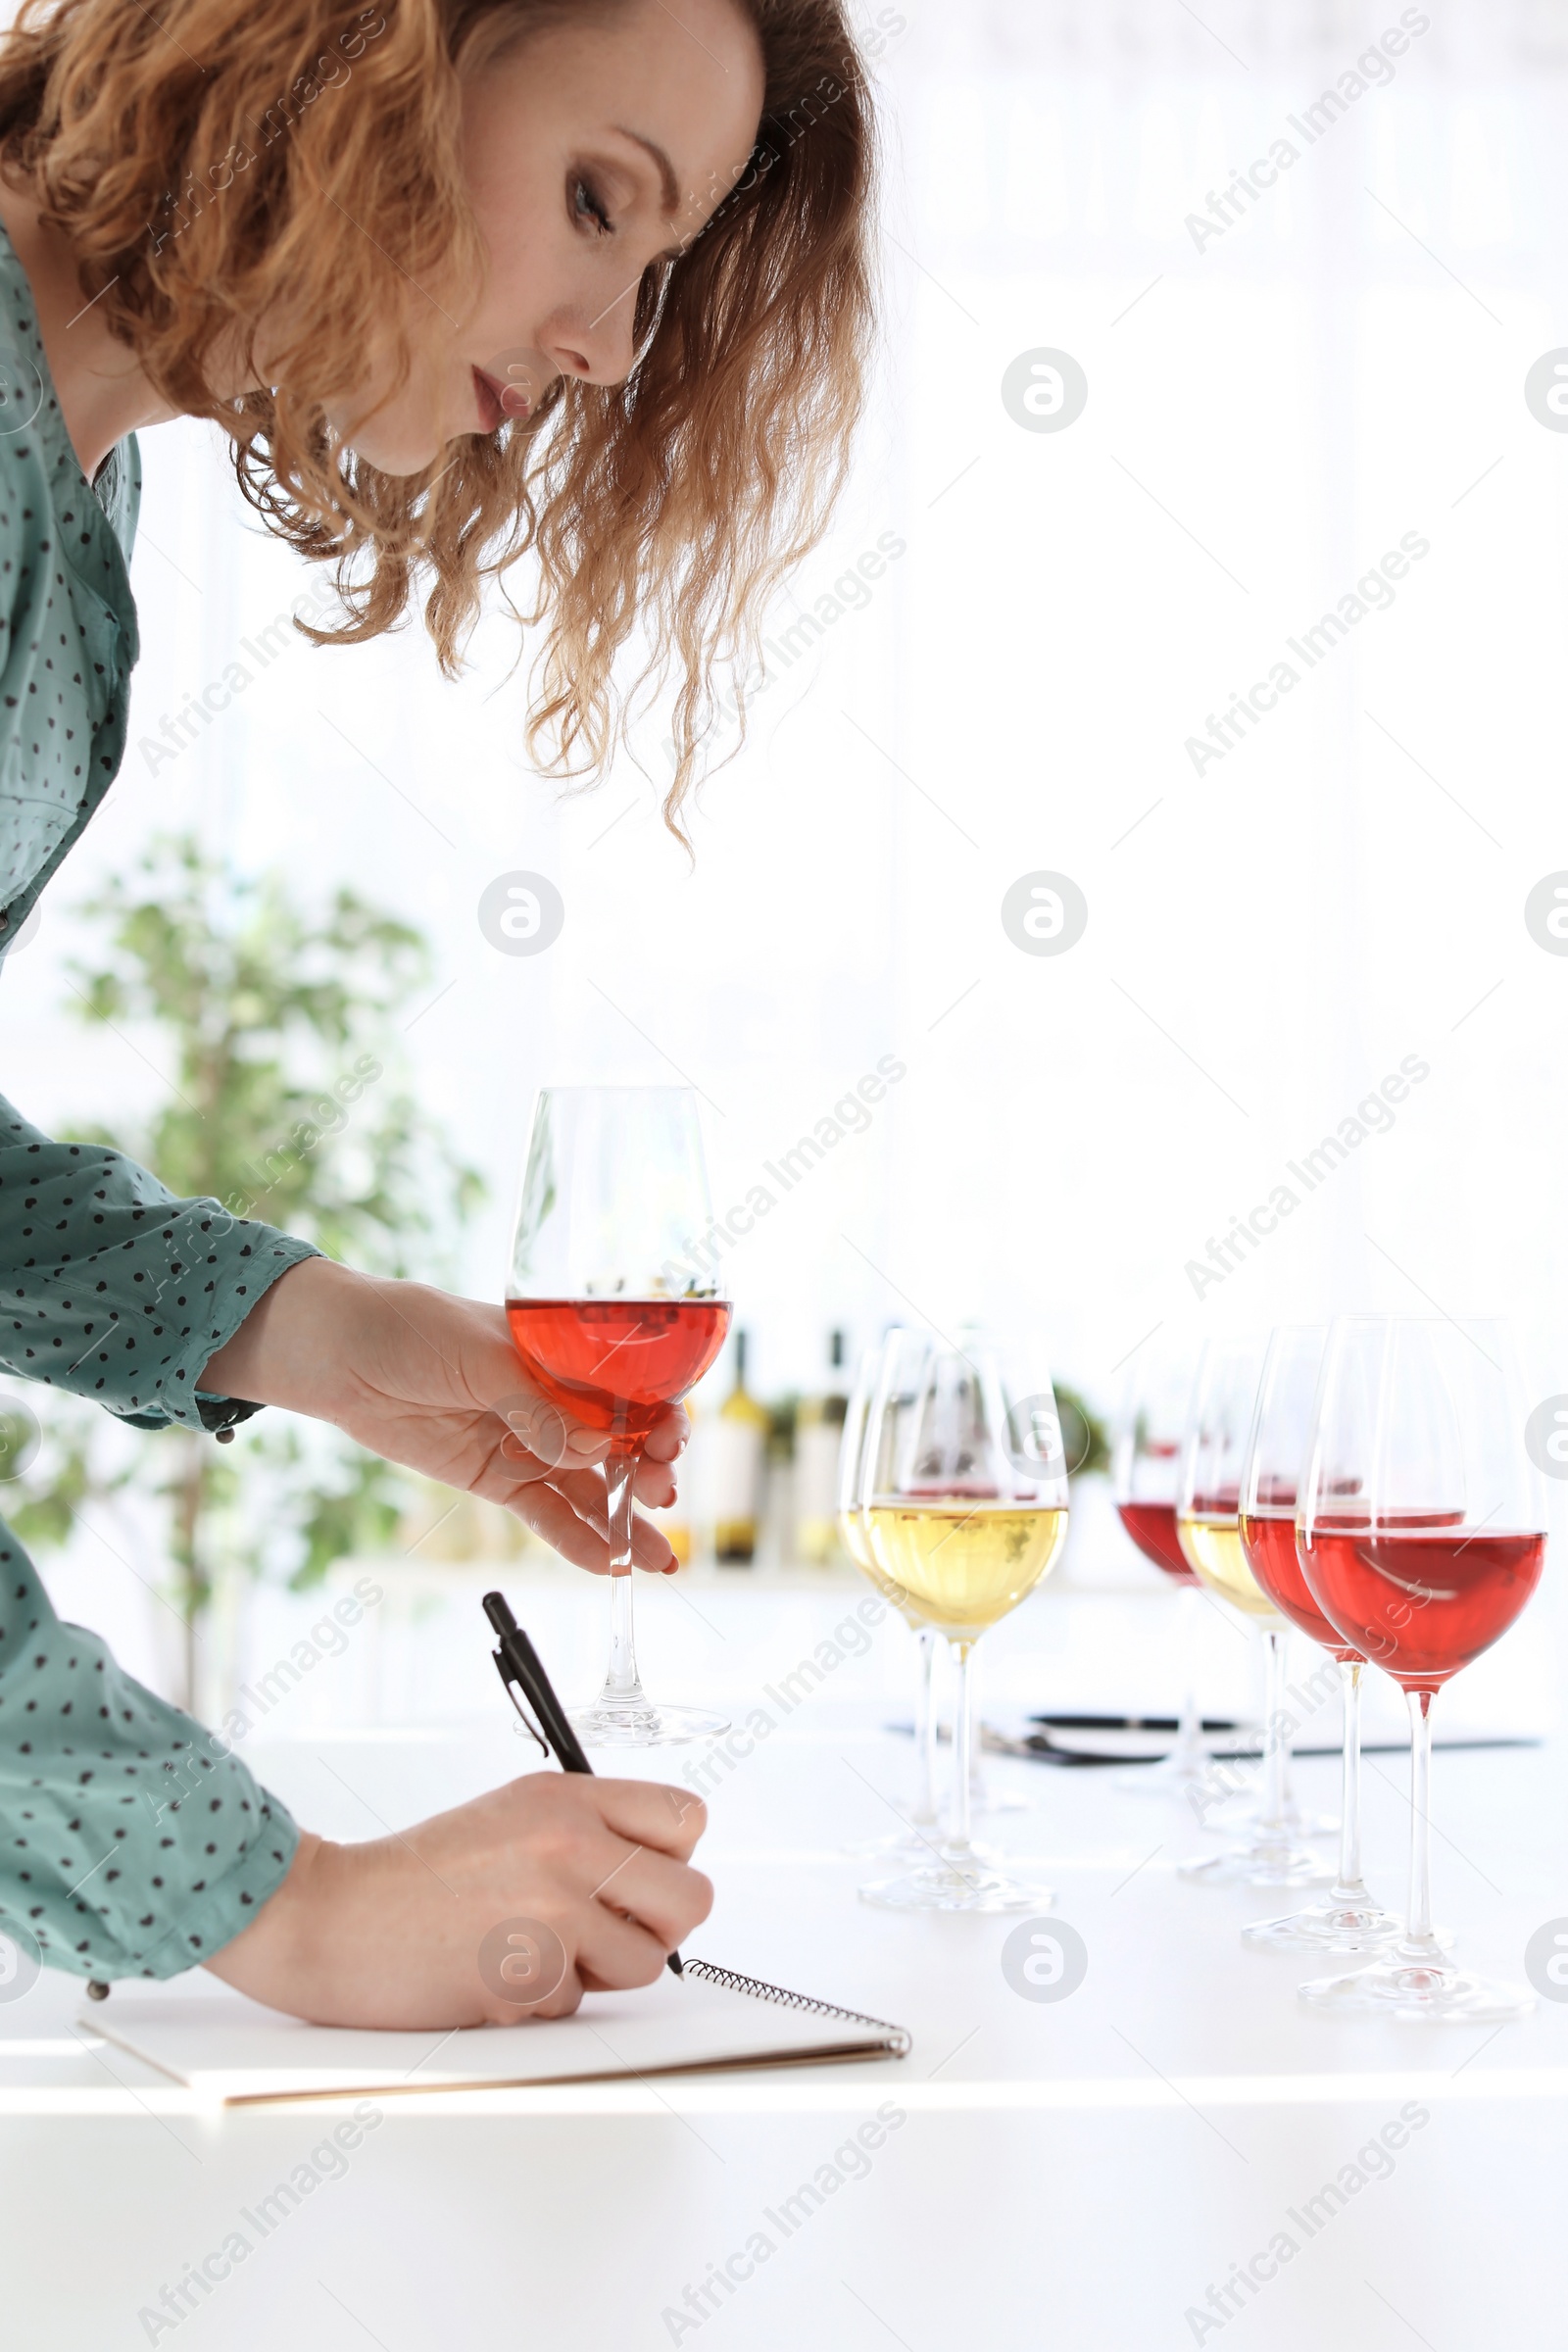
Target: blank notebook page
[{"x": 233, "y": 2051}]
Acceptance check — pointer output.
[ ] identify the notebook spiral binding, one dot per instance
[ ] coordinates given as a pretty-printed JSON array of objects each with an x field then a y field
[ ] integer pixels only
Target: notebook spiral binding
[{"x": 729, "y": 1980}]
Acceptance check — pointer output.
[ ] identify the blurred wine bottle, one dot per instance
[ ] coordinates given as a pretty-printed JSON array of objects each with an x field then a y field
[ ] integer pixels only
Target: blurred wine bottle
[
  {"x": 819, "y": 1431},
  {"x": 737, "y": 1466},
  {"x": 676, "y": 1523}
]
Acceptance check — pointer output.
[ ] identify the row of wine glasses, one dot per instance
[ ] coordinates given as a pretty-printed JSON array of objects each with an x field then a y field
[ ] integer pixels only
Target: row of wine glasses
[{"x": 1367, "y": 1484}]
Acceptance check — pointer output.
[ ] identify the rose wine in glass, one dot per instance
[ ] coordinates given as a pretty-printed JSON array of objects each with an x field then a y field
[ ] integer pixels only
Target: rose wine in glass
[
  {"x": 1209, "y": 1525},
  {"x": 963, "y": 1497},
  {"x": 616, "y": 1312},
  {"x": 1347, "y": 1920},
  {"x": 1421, "y": 1536},
  {"x": 1145, "y": 1472}
]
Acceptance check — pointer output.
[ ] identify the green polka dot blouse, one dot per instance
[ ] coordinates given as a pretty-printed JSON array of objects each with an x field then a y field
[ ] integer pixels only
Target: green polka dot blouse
[{"x": 133, "y": 1842}]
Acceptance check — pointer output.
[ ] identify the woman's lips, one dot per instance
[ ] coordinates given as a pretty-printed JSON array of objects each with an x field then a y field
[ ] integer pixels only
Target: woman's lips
[{"x": 498, "y": 400}]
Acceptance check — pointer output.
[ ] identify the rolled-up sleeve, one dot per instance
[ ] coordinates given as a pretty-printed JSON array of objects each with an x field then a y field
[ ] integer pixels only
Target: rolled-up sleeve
[{"x": 115, "y": 1289}]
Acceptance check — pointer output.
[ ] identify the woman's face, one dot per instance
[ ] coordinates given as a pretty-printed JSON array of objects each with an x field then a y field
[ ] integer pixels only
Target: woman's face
[{"x": 590, "y": 150}]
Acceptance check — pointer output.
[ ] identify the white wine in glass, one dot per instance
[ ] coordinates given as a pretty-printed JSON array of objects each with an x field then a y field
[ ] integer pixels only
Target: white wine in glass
[
  {"x": 1214, "y": 1547},
  {"x": 922, "y": 1817},
  {"x": 963, "y": 1497},
  {"x": 961, "y": 1564},
  {"x": 615, "y": 1315}
]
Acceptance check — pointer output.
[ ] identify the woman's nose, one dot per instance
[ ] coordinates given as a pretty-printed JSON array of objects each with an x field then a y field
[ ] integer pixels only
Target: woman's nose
[{"x": 596, "y": 347}]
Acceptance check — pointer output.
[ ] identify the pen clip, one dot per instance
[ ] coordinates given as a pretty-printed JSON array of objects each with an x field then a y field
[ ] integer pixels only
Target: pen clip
[{"x": 523, "y": 1717}]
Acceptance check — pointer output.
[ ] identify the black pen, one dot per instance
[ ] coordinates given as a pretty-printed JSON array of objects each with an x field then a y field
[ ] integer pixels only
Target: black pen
[{"x": 518, "y": 1661}]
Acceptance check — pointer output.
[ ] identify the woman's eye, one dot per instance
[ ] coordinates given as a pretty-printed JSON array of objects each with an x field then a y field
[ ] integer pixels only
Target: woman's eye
[{"x": 586, "y": 206}]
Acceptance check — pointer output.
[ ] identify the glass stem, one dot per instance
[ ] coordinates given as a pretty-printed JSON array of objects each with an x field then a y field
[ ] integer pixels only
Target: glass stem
[
  {"x": 1189, "y": 1754},
  {"x": 1418, "y": 1921},
  {"x": 978, "y": 1792},
  {"x": 1351, "y": 1889},
  {"x": 925, "y": 1730},
  {"x": 621, "y": 1679},
  {"x": 1276, "y": 1743},
  {"x": 957, "y": 1848}
]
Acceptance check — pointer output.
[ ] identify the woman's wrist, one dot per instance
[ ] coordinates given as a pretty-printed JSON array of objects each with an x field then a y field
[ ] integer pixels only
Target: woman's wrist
[
  {"x": 295, "y": 1346},
  {"x": 272, "y": 1959}
]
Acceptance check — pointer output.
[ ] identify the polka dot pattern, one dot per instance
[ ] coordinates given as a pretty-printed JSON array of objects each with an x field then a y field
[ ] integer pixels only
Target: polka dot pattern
[
  {"x": 114, "y": 1290},
  {"x": 131, "y": 1842},
  {"x": 67, "y": 620}
]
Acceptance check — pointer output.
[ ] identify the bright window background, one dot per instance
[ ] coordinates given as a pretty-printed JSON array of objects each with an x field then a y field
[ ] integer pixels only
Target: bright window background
[{"x": 1266, "y": 417}]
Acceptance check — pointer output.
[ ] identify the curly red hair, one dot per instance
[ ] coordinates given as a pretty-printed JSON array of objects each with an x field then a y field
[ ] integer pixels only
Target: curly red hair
[{"x": 203, "y": 187}]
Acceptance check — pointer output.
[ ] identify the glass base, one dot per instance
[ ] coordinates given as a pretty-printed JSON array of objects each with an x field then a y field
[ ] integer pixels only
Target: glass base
[
  {"x": 1268, "y": 1863},
  {"x": 637, "y": 1722},
  {"x": 1415, "y": 1987},
  {"x": 1354, "y": 1924},
  {"x": 951, "y": 1883}
]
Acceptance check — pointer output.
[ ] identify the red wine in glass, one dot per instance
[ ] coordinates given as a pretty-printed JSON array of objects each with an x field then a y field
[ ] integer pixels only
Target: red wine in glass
[
  {"x": 1152, "y": 1528},
  {"x": 614, "y": 1363},
  {"x": 1269, "y": 1543},
  {"x": 1421, "y": 1601}
]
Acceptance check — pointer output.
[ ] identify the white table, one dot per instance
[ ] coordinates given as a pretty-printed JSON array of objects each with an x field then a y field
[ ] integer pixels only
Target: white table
[{"x": 1076, "y": 2174}]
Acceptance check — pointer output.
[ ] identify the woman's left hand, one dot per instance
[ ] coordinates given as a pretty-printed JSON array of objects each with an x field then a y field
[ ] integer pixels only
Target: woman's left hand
[{"x": 435, "y": 1382}]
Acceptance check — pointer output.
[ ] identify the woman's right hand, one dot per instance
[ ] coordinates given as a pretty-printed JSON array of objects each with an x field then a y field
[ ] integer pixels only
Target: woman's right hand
[
  {"x": 509, "y": 1907},
  {"x": 434, "y": 1382}
]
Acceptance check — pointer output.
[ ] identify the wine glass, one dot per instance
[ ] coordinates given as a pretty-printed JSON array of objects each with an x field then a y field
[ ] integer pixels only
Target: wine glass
[
  {"x": 963, "y": 1497},
  {"x": 1209, "y": 1527},
  {"x": 1146, "y": 1478},
  {"x": 616, "y": 1310},
  {"x": 1347, "y": 1920},
  {"x": 922, "y": 1818},
  {"x": 1421, "y": 1537}
]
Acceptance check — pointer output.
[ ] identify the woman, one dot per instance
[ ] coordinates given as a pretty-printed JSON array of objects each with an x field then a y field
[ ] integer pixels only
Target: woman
[{"x": 463, "y": 280}]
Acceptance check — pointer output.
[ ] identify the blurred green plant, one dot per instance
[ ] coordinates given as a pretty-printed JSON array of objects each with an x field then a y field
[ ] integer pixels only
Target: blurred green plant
[
  {"x": 1085, "y": 1441},
  {"x": 261, "y": 1011}
]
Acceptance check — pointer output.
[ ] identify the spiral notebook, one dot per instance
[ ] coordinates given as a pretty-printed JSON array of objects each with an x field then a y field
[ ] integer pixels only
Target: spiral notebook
[{"x": 231, "y": 2052}]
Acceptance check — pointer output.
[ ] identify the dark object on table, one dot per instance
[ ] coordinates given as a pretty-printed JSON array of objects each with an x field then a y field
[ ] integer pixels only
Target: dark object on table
[
  {"x": 1131, "y": 1739},
  {"x": 1130, "y": 1723},
  {"x": 1107, "y": 1741}
]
